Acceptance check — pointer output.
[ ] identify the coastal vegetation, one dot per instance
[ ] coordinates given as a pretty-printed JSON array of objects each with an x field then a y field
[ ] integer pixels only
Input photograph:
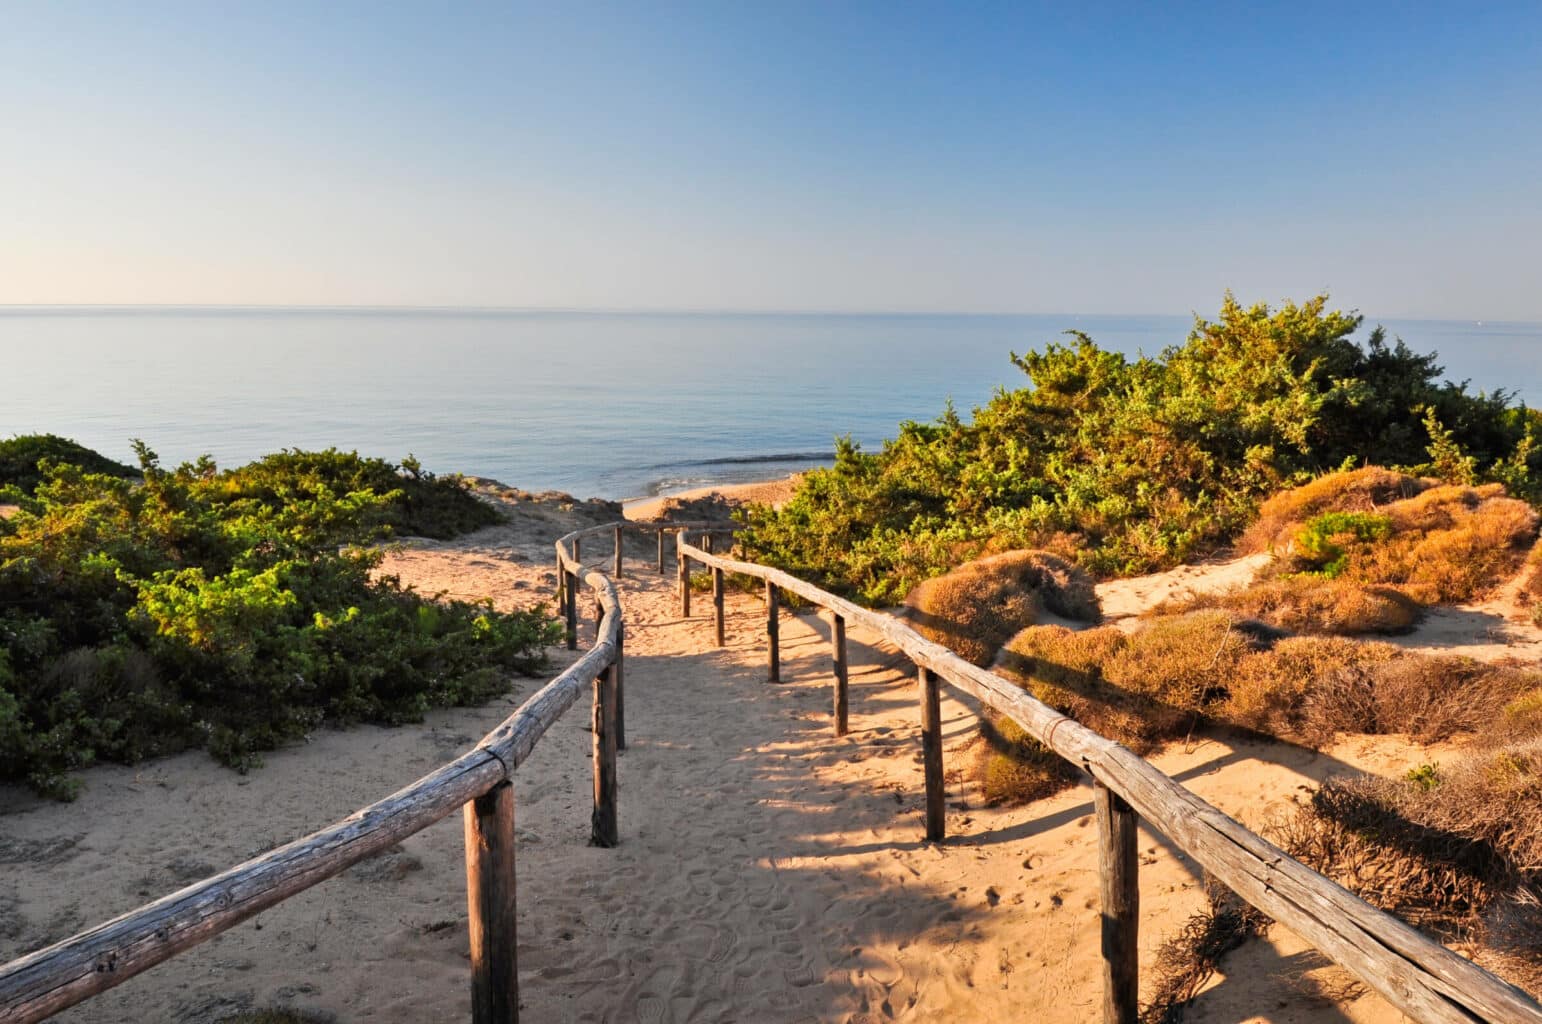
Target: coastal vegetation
[
  {"x": 157, "y": 610},
  {"x": 1128, "y": 465},
  {"x": 1376, "y": 489}
]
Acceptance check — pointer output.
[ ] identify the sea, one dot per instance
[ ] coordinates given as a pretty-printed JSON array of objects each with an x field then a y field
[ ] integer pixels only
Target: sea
[{"x": 598, "y": 404}]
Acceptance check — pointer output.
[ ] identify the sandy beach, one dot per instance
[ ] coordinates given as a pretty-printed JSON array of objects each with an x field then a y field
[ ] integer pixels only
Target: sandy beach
[
  {"x": 768, "y": 870},
  {"x": 763, "y": 492}
]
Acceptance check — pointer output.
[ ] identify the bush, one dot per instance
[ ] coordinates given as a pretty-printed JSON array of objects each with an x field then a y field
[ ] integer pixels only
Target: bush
[
  {"x": 1323, "y": 541},
  {"x": 1456, "y": 850},
  {"x": 1360, "y": 490},
  {"x": 417, "y": 502},
  {"x": 1133, "y": 465},
  {"x": 1014, "y": 768},
  {"x": 1308, "y": 604},
  {"x": 977, "y": 607},
  {"x": 1446, "y": 543},
  {"x": 231, "y": 611},
  {"x": 23, "y": 459}
]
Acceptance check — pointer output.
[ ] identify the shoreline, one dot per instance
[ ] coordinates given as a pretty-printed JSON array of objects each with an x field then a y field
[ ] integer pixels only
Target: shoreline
[{"x": 774, "y": 492}]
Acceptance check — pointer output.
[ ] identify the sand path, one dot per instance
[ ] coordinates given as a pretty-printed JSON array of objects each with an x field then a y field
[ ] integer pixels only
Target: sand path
[{"x": 768, "y": 871}]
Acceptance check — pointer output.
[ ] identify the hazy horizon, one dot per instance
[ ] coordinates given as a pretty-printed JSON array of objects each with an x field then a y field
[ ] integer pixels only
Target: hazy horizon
[{"x": 218, "y": 307}]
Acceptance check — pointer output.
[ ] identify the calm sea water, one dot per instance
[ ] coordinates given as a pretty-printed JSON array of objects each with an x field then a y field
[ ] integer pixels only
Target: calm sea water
[{"x": 616, "y": 405}]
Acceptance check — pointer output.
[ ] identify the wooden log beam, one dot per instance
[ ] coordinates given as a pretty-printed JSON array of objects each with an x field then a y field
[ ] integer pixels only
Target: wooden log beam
[
  {"x": 602, "y": 824},
  {"x": 773, "y": 635},
  {"x": 1119, "y": 883},
  {"x": 489, "y": 826},
  {"x": 838, "y": 642},
  {"x": 571, "y": 611},
  {"x": 618, "y": 551},
  {"x": 931, "y": 754}
]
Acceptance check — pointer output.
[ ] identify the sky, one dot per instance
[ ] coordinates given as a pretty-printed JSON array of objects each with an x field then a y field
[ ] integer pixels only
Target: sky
[{"x": 1069, "y": 157}]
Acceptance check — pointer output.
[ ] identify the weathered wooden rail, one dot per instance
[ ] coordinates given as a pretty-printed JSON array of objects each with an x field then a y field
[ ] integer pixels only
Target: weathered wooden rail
[
  {"x": 479, "y": 781},
  {"x": 1414, "y": 973}
]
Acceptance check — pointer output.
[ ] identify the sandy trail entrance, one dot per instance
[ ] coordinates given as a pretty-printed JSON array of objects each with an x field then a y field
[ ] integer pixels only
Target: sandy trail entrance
[{"x": 768, "y": 871}]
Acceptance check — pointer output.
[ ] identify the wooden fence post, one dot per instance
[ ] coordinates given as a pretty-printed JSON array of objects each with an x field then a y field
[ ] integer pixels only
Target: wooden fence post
[
  {"x": 618, "y": 552},
  {"x": 660, "y": 532},
  {"x": 685, "y": 585},
  {"x": 602, "y": 824},
  {"x": 578, "y": 555},
  {"x": 773, "y": 633},
  {"x": 931, "y": 753},
  {"x": 717, "y": 603},
  {"x": 1118, "y": 866},
  {"x": 489, "y": 826},
  {"x": 838, "y": 640},
  {"x": 621, "y": 686},
  {"x": 570, "y": 609}
]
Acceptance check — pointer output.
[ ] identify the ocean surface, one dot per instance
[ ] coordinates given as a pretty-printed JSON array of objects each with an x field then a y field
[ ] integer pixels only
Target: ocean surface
[{"x": 616, "y": 405}]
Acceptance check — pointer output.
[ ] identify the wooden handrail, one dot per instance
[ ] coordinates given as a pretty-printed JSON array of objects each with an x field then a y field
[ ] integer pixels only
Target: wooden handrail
[
  {"x": 1412, "y": 971},
  {"x": 49, "y": 980}
]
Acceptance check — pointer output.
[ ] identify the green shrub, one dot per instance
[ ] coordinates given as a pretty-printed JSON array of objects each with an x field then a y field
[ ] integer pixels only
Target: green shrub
[
  {"x": 1130, "y": 465},
  {"x": 22, "y": 460},
  {"x": 1322, "y": 543},
  {"x": 231, "y": 611}
]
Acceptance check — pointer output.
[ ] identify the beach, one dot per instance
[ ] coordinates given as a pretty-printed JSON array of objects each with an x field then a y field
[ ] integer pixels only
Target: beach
[{"x": 768, "y": 870}]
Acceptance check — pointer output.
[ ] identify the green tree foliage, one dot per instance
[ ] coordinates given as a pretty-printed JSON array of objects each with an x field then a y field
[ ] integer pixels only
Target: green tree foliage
[
  {"x": 230, "y": 610},
  {"x": 1130, "y": 465},
  {"x": 22, "y": 459}
]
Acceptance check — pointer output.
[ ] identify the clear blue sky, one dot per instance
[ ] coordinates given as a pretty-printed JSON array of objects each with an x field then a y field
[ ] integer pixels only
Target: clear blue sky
[{"x": 835, "y": 156}]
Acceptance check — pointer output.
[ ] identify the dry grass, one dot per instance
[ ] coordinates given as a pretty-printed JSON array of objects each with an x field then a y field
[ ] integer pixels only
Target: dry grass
[
  {"x": 1187, "y": 961},
  {"x": 1434, "y": 544},
  {"x": 1307, "y": 604},
  {"x": 1362, "y": 490},
  {"x": 1455, "y": 850},
  {"x": 977, "y": 608},
  {"x": 1140, "y": 689},
  {"x": 1014, "y": 768},
  {"x": 1176, "y": 672},
  {"x": 1531, "y": 588}
]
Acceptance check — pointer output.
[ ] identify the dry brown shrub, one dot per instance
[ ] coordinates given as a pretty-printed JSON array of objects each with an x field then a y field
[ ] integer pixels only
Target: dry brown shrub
[
  {"x": 1309, "y": 604},
  {"x": 1475, "y": 540},
  {"x": 1141, "y": 689},
  {"x": 1520, "y": 720},
  {"x": 1187, "y": 961},
  {"x": 1428, "y": 698},
  {"x": 1447, "y": 543},
  {"x": 1014, "y": 768},
  {"x": 979, "y": 606},
  {"x": 1361, "y": 490},
  {"x": 1531, "y": 588},
  {"x": 1355, "y": 833},
  {"x": 1269, "y": 691},
  {"x": 1064, "y": 669},
  {"x": 1455, "y": 853},
  {"x": 1184, "y": 661}
]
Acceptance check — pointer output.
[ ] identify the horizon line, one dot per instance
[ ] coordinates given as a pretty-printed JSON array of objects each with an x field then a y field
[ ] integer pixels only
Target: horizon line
[{"x": 6, "y": 307}]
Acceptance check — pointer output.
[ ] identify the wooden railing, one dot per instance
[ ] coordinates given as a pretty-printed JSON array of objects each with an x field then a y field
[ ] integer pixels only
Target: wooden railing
[
  {"x": 51, "y": 979},
  {"x": 1413, "y": 972}
]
